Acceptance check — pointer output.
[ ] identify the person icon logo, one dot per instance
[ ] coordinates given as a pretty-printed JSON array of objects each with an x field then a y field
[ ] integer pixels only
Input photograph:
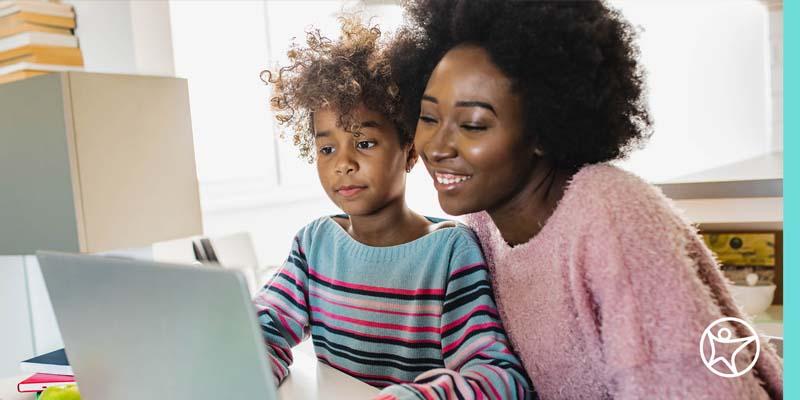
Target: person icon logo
[{"x": 720, "y": 336}]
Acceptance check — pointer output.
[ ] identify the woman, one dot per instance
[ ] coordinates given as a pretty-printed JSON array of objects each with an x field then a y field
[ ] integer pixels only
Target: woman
[{"x": 604, "y": 289}]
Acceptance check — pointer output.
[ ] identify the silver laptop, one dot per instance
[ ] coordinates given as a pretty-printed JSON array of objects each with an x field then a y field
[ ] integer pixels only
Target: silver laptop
[{"x": 143, "y": 330}]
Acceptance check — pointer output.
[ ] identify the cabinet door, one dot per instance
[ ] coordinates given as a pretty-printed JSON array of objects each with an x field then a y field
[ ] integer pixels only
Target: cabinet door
[
  {"x": 37, "y": 210},
  {"x": 133, "y": 140},
  {"x": 16, "y": 340}
]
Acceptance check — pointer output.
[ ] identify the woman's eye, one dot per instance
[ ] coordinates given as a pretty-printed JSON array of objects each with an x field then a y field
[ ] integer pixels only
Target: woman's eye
[
  {"x": 473, "y": 127},
  {"x": 326, "y": 150},
  {"x": 365, "y": 144},
  {"x": 427, "y": 119}
]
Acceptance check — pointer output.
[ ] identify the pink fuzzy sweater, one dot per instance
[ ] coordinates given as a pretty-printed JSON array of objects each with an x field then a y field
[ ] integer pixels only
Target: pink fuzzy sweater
[{"x": 610, "y": 298}]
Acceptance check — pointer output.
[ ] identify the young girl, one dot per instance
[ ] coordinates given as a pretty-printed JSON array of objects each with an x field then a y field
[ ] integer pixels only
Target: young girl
[
  {"x": 604, "y": 289},
  {"x": 393, "y": 298}
]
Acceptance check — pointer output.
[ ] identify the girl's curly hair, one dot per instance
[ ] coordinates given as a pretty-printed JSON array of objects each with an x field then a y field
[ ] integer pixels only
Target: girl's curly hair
[
  {"x": 337, "y": 75},
  {"x": 574, "y": 63}
]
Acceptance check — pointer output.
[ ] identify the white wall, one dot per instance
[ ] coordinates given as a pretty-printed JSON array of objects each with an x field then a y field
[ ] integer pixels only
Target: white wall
[
  {"x": 152, "y": 37},
  {"x": 708, "y": 66},
  {"x": 232, "y": 132},
  {"x": 124, "y": 36},
  {"x": 776, "y": 68}
]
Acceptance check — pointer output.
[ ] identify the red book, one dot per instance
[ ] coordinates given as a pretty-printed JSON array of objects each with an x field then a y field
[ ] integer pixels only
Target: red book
[{"x": 39, "y": 382}]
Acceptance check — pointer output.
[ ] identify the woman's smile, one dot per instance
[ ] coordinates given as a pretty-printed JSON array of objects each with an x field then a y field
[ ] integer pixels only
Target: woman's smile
[{"x": 448, "y": 181}]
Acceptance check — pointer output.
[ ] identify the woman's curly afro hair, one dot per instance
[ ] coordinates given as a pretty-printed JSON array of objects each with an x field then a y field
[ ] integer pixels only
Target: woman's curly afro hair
[
  {"x": 336, "y": 75},
  {"x": 574, "y": 63}
]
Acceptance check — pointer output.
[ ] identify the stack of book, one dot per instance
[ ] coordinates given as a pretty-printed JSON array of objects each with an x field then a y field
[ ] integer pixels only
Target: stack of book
[
  {"x": 51, "y": 369},
  {"x": 36, "y": 38}
]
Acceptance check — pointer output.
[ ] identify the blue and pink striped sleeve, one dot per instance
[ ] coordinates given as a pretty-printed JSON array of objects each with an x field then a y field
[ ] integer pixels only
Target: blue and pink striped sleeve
[
  {"x": 479, "y": 362},
  {"x": 282, "y": 307}
]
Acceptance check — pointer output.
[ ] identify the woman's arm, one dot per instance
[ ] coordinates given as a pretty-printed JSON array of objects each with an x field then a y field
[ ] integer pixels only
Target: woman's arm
[{"x": 656, "y": 288}]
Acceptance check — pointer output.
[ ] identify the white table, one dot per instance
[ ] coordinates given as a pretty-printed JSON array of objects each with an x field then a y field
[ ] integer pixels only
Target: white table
[
  {"x": 309, "y": 379},
  {"x": 313, "y": 380}
]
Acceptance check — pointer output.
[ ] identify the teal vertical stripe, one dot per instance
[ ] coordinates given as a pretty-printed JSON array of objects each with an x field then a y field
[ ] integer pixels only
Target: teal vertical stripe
[{"x": 791, "y": 198}]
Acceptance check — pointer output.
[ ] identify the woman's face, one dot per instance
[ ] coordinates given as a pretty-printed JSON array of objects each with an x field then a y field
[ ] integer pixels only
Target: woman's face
[{"x": 470, "y": 133}]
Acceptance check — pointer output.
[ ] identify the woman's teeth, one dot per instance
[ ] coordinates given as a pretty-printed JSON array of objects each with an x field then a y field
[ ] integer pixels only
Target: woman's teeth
[{"x": 449, "y": 179}]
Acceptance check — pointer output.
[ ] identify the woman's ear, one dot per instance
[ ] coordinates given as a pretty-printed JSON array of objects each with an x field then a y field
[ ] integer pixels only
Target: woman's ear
[
  {"x": 536, "y": 148},
  {"x": 411, "y": 158}
]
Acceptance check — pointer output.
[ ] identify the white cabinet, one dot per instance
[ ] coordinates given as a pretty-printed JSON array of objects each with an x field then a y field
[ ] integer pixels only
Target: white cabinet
[
  {"x": 747, "y": 195},
  {"x": 95, "y": 162}
]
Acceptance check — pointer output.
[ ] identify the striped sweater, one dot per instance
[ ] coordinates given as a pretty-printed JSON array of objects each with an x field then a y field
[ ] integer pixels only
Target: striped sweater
[{"x": 416, "y": 319}]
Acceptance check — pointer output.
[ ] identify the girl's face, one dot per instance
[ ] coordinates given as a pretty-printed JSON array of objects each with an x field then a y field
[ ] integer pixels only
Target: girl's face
[
  {"x": 470, "y": 133},
  {"x": 363, "y": 174}
]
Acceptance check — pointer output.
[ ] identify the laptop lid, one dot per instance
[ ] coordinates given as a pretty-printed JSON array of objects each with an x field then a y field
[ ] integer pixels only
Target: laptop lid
[{"x": 142, "y": 330}]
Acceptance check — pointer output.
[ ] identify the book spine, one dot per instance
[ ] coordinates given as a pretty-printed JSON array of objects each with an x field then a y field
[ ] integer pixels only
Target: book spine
[
  {"x": 26, "y": 27},
  {"x": 38, "y": 387},
  {"x": 39, "y": 19},
  {"x": 37, "y": 38},
  {"x": 46, "y": 368},
  {"x": 54, "y": 9},
  {"x": 45, "y": 58},
  {"x": 28, "y": 50}
]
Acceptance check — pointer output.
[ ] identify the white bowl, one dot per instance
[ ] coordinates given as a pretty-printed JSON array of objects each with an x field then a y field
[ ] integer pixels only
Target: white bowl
[{"x": 753, "y": 299}]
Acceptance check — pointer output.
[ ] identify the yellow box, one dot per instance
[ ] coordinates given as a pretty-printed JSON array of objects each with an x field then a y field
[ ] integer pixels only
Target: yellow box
[{"x": 742, "y": 249}]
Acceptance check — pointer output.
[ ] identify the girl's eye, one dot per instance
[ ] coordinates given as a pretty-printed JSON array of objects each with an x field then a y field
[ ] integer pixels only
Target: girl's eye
[
  {"x": 326, "y": 150},
  {"x": 473, "y": 127},
  {"x": 427, "y": 119},
  {"x": 365, "y": 144}
]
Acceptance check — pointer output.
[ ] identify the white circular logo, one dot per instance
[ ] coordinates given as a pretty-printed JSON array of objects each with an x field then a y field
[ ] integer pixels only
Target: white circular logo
[{"x": 719, "y": 335}]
